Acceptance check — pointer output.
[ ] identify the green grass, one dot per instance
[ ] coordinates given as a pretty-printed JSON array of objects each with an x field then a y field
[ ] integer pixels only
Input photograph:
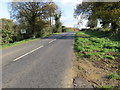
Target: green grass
[
  {"x": 105, "y": 87},
  {"x": 113, "y": 76},
  {"x": 69, "y": 30},
  {"x": 55, "y": 33},
  {"x": 96, "y": 46},
  {"x": 18, "y": 43}
]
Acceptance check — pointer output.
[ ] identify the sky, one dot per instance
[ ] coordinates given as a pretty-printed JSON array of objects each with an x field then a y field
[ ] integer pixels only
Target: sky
[{"x": 67, "y": 7}]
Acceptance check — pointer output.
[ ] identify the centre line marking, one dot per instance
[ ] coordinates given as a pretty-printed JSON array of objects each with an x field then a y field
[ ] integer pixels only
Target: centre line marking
[
  {"x": 27, "y": 53},
  {"x": 52, "y": 40}
]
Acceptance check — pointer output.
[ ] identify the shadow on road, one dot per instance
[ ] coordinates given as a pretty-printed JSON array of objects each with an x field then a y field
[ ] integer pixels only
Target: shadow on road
[{"x": 62, "y": 36}]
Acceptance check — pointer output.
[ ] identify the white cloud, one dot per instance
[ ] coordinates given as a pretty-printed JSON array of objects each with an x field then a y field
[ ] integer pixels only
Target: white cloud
[
  {"x": 65, "y": 2},
  {"x": 71, "y": 1}
]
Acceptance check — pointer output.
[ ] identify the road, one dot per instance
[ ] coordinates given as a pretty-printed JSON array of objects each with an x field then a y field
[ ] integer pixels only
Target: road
[{"x": 44, "y": 63}]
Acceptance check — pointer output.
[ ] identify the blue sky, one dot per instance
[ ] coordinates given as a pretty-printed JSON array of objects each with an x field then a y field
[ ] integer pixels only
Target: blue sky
[
  {"x": 4, "y": 11},
  {"x": 67, "y": 7}
]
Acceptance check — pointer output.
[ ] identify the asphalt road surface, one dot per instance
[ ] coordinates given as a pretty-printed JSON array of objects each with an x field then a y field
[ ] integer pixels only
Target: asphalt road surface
[{"x": 44, "y": 63}]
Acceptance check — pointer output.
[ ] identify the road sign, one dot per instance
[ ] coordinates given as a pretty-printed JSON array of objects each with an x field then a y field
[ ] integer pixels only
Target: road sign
[{"x": 23, "y": 31}]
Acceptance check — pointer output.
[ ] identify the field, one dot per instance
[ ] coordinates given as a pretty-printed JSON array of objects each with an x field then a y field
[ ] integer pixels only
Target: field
[
  {"x": 99, "y": 56},
  {"x": 71, "y": 30}
]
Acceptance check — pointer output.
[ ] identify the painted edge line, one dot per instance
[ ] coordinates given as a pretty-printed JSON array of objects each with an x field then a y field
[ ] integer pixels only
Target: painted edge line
[
  {"x": 27, "y": 53},
  {"x": 52, "y": 40}
]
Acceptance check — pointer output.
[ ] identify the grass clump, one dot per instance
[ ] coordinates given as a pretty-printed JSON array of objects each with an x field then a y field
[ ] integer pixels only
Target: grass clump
[
  {"x": 109, "y": 57},
  {"x": 113, "y": 76},
  {"x": 105, "y": 87}
]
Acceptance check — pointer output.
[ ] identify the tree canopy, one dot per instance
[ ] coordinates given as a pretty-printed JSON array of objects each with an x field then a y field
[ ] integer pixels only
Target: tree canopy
[
  {"x": 35, "y": 17},
  {"x": 34, "y": 14},
  {"x": 107, "y": 12}
]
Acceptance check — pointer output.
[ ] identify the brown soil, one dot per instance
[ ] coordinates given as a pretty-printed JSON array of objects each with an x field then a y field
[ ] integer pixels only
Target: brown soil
[{"x": 95, "y": 72}]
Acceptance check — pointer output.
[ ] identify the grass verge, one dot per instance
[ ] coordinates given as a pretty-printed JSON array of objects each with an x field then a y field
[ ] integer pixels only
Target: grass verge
[
  {"x": 17, "y": 43},
  {"x": 23, "y": 41},
  {"x": 96, "y": 48},
  {"x": 99, "y": 57}
]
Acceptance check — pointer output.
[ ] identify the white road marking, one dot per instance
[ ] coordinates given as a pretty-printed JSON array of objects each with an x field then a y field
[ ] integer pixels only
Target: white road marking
[
  {"x": 52, "y": 40},
  {"x": 27, "y": 53}
]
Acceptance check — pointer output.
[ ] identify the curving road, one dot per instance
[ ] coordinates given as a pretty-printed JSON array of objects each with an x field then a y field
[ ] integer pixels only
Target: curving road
[{"x": 44, "y": 63}]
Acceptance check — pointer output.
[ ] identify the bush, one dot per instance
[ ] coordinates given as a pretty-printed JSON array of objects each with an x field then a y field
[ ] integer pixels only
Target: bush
[{"x": 8, "y": 31}]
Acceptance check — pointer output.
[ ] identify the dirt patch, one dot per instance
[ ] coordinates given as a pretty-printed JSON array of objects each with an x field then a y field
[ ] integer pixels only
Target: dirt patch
[
  {"x": 78, "y": 81},
  {"x": 94, "y": 72}
]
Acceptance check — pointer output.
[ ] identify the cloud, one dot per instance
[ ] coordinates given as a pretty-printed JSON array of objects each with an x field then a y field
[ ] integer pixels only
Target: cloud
[
  {"x": 66, "y": 2},
  {"x": 71, "y": 2}
]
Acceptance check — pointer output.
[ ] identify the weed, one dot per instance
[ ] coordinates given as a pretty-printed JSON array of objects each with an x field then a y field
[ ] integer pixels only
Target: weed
[
  {"x": 105, "y": 87},
  {"x": 109, "y": 57},
  {"x": 113, "y": 76},
  {"x": 95, "y": 47}
]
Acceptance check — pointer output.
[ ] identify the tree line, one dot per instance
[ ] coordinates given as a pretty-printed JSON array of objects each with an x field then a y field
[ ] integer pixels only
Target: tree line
[
  {"x": 38, "y": 19},
  {"x": 108, "y": 13}
]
